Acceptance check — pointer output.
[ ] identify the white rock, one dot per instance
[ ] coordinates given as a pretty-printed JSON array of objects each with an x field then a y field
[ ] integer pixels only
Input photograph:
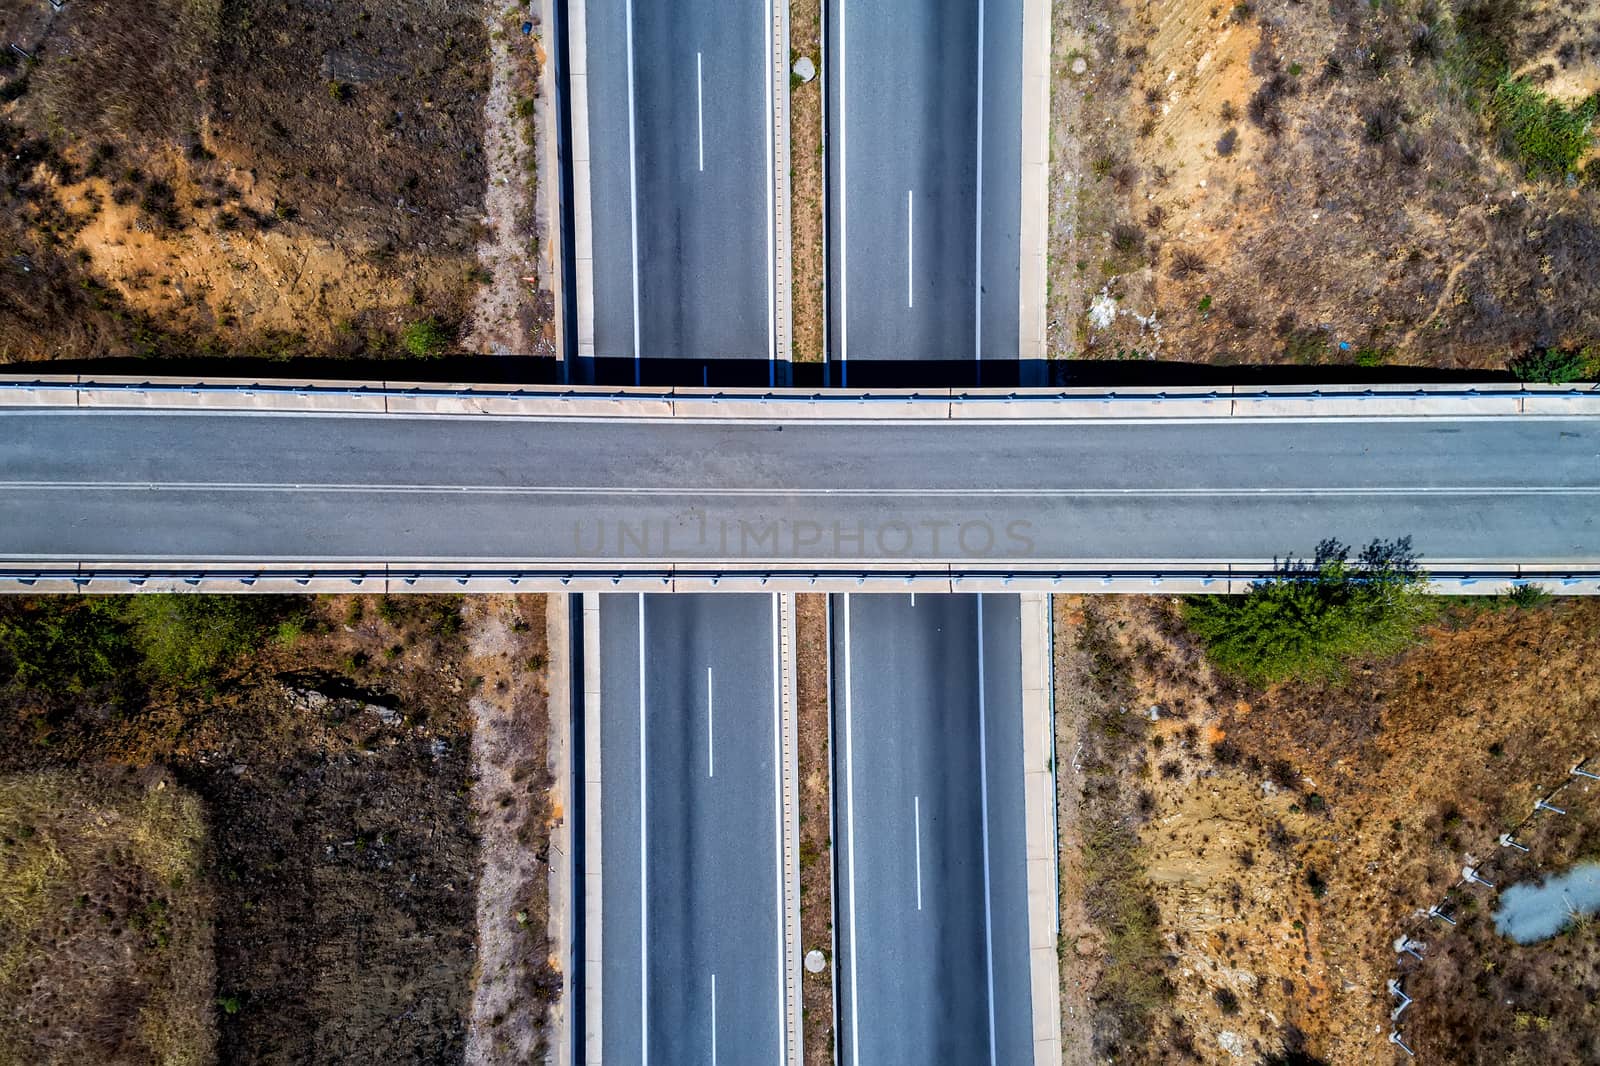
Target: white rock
[
  {"x": 804, "y": 69},
  {"x": 1232, "y": 1043}
]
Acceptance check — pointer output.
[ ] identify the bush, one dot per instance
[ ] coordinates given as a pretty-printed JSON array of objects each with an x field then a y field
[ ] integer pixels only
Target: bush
[
  {"x": 425, "y": 338},
  {"x": 68, "y": 646},
  {"x": 1307, "y": 619},
  {"x": 1544, "y": 135},
  {"x": 190, "y": 638},
  {"x": 1554, "y": 366}
]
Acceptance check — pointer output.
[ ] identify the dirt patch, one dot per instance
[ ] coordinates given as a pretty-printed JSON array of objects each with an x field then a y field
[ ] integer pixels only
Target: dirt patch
[
  {"x": 518, "y": 976},
  {"x": 816, "y": 821},
  {"x": 805, "y": 183},
  {"x": 513, "y": 313},
  {"x": 1285, "y": 836},
  {"x": 244, "y": 177},
  {"x": 105, "y": 914},
  {"x": 1279, "y": 182},
  {"x": 334, "y": 761}
]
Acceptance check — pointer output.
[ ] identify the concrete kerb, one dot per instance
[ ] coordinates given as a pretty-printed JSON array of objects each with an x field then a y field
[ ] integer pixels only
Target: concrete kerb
[
  {"x": 1033, "y": 290},
  {"x": 582, "y": 222},
  {"x": 593, "y": 956},
  {"x": 1039, "y": 810},
  {"x": 558, "y": 688}
]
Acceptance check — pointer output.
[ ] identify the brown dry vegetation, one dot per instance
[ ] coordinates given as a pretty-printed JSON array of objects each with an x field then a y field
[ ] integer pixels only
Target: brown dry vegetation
[
  {"x": 237, "y": 176},
  {"x": 805, "y": 135},
  {"x": 1249, "y": 856},
  {"x": 816, "y": 822},
  {"x": 105, "y": 920},
  {"x": 1281, "y": 182},
  {"x": 335, "y": 764},
  {"x": 519, "y": 976}
]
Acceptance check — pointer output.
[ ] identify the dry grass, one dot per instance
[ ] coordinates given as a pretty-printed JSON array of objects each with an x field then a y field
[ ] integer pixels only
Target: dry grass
[
  {"x": 105, "y": 921},
  {"x": 816, "y": 844},
  {"x": 1346, "y": 181},
  {"x": 1287, "y": 834},
  {"x": 250, "y": 177},
  {"x": 806, "y": 182}
]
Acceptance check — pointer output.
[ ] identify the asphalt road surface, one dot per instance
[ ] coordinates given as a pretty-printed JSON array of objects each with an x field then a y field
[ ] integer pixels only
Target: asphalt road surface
[
  {"x": 925, "y": 127},
  {"x": 932, "y": 899},
  {"x": 172, "y": 486},
  {"x": 680, "y": 180},
  {"x": 692, "y": 899}
]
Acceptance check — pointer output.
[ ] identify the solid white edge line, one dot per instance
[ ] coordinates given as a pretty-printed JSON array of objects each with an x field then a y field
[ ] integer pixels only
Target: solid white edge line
[
  {"x": 713, "y": 1020},
  {"x": 916, "y": 823},
  {"x": 772, "y": 206},
  {"x": 977, "y": 277},
  {"x": 911, "y": 231},
  {"x": 844, "y": 211},
  {"x": 644, "y": 895},
  {"x": 983, "y": 778},
  {"x": 700, "y": 107},
  {"x": 777, "y": 799},
  {"x": 633, "y": 199},
  {"x": 711, "y": 736},
  {"x": 850, "y": 841}
]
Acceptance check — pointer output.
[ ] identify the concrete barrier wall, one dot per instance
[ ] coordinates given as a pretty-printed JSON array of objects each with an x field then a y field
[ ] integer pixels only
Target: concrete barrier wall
[{"x": 1489, "y": 399}]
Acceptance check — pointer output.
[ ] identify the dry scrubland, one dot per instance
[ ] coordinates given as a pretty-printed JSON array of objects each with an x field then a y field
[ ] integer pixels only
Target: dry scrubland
[
  {"x": 248, "y": 829},
  {"x": 239, "y": 177},
  {"x": 1236, "y": 869},
  {"x": 1357, "y": 181}
]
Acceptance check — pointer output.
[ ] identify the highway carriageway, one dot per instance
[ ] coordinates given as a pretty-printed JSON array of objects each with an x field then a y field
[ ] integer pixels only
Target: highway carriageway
[{"x": 1498, "y": 484}]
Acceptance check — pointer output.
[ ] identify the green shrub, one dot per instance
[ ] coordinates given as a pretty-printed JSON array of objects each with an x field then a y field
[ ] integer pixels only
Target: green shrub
[
  {"x": 1307, "y": 619},
  {"x": 1546, "y": 136},
  {"x": 1528, "y": 596},
  {"x": 425, "y": 338},
  {"x": 63, "y": 645},
  {"x": 1555, "y": 366},
  {"x": 190, "y": 638}
]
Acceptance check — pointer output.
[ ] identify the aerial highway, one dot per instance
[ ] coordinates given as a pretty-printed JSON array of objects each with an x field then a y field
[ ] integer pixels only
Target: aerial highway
[
  {"x": 924, "y": 138},
  {"x": 163, "y": 485},
  {"x": 680, "y": 183},
  {"x": 693, "y": 967},
  {"x": 929, "y": 852}
]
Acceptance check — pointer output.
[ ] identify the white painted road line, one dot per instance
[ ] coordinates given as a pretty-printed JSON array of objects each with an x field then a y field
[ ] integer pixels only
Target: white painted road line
[
  {"x": 644, "y": 893},
  {"x": 983, "y": 779},
  {"x": 777, "y": 839},
  {"x": 850, "y": 841},
  {"x": 711, "y": 736},
  {"x": 976, "y": 492},
  {"x": 633, "y": 198},
  {"x": 700, "y": 106},
  {"x": 713, "y": 1020},
  {"x": 772, "y": 215},
  {"x": 916, "y": 820},
  {"x": 910, "y": 240}
]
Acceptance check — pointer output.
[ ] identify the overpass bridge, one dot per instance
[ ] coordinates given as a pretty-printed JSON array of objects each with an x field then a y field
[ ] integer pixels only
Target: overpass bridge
[{"x": 117, "y": 485}]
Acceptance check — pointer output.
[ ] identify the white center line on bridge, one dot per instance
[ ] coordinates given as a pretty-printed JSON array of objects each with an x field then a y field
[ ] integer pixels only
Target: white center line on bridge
[
  {"x": 711, "y": 748},
  {"x": 700, "y": 106}
]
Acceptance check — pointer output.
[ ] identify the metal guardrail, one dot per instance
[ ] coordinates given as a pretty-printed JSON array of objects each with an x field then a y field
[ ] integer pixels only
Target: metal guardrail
[{"x": 822, "y": 396}]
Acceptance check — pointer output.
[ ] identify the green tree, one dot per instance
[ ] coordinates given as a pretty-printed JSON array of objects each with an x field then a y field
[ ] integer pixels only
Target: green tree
[{"x": 1311, "y": 616}]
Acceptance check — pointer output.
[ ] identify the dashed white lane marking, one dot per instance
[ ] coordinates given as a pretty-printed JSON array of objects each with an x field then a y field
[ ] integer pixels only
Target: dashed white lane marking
[{"x": 916, "y": 819}]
